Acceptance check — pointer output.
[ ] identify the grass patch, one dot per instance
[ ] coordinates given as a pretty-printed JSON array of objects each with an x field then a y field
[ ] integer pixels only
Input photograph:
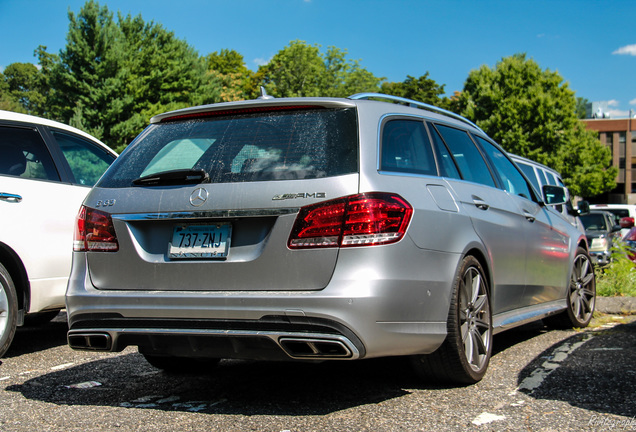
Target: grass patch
[{"x": 619, "y": 277}]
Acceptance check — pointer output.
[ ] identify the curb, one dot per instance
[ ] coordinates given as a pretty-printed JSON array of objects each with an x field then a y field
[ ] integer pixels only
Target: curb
[{"x": 616, "y": 305}]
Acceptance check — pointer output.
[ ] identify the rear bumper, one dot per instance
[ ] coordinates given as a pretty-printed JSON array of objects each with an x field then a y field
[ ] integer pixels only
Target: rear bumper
[{"x": 365, "y": 311}]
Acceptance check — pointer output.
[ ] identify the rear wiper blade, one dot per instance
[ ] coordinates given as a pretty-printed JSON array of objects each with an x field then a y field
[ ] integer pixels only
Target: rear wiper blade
[{"x": 174, "y": 177}]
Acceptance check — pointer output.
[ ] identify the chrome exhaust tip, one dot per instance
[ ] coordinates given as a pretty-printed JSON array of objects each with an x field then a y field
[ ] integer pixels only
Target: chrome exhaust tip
[
  {"x": 315, "y": 348},
  {"x": 90, "y": 341}
]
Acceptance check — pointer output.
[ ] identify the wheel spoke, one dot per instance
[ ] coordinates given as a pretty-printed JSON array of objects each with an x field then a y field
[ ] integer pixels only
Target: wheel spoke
[
  {"x": 468, "y": 348},
  {"x": 476, "y": 287},
  {"x": 464, "y": 331},
  {"x": 587, "y": 279},
  {"x": 480, "y": 344},
  {"x": 482, "y": 323},
  {"x": 480, "y": 303}
]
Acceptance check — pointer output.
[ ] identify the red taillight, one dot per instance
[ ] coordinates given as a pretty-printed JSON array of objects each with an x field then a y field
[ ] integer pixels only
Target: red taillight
[
  {"x": 94, "y": 231},
  {"x": 357, "y": 220}
]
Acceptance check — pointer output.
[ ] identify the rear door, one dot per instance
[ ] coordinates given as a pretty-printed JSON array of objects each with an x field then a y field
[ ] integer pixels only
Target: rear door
[
  {"x": 38, "y": 205},
  {"x": 495, "y": 217}
]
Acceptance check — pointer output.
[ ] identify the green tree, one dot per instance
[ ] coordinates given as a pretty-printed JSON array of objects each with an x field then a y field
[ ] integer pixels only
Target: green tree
[
  {"x": 422, "y": 89},
  {"x": 302, "y": 70},
  {"x": 8, "y": 101},
  {"x": 23, "y": 82},
  {"x": 581, "y": 107},
  {"x": 234, "y": 78},
  {"x": 113, "y": 75},
  {"x": 532, "y": 112},
  {"x": 295, "y": 71},
  {"x": 90, "y": 75}
]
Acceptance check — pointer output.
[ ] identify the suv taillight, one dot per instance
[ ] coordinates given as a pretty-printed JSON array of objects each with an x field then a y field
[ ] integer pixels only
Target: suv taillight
[
  {"x": 357, "y": 220},
  {"x": 94, "y": 231}
]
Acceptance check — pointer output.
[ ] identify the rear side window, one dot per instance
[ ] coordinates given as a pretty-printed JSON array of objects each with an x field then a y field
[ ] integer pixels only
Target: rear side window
[
  {"x": 406, "y": 148},
  {"x": 87, "y": 162},
  {"x": 469, "y": 160},
  {"x": 24, "y": 154},
  {"x": 264, "y": 146}
]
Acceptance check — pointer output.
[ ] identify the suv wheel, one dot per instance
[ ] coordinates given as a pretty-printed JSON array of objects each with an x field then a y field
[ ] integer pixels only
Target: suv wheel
[
  {"x": 464, "y": 356},
  {"x": 581, "y": 297},
  {"x": 8, "y": 310}
]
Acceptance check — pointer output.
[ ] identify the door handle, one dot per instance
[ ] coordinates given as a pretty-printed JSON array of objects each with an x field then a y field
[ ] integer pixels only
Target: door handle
[
  {"x": 528, "y": 216},
  {"x": 12, "y": 198},
  {"x": 480, "y": 204}
]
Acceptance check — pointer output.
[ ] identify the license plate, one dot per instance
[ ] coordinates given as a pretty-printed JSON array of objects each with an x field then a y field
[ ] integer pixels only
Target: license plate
[{"x": 200, "y": 241}]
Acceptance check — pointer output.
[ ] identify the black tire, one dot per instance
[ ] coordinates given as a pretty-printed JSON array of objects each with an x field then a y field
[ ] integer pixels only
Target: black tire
[
  {"x": 41, "y": 318},
  {"x": 464, "y": 356},
  {"x": 581, "y": 295},
  {"x": 8, "y": 310},
  {"x": 182, "y": 365}
]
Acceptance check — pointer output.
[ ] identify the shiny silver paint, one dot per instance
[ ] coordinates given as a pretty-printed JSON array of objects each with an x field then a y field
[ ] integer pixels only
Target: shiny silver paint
[{"x": 393, "y": 298}]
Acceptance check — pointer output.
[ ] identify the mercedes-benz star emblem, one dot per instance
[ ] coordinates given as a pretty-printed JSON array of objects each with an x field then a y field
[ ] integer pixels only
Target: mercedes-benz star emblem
[{"x": 198, "y": 197}]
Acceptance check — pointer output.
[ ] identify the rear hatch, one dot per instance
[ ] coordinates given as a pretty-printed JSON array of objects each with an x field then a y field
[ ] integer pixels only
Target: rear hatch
[{"x": 205, "y": 199}]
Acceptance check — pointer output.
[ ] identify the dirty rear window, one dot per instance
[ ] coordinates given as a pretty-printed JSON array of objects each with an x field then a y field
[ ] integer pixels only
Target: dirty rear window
[{"x": 287, "y": 145}]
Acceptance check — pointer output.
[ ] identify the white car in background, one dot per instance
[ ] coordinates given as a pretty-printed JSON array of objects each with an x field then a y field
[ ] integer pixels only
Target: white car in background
[{"x": 46, "y": 170}]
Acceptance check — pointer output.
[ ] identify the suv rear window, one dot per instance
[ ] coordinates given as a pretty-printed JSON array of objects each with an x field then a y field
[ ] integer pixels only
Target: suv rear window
[{"x": 310, "y": 143}]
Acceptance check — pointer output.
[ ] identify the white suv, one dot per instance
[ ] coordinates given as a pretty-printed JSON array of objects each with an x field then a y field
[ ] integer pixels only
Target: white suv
[{"x": 46, "y": 170}]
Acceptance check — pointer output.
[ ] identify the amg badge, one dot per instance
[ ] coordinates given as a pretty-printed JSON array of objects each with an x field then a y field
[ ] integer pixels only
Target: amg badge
[{"x": 299, "y": 195}]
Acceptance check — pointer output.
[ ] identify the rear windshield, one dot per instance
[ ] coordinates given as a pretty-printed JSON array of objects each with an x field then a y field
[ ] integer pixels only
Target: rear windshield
[{"x": 305, "y": 144}]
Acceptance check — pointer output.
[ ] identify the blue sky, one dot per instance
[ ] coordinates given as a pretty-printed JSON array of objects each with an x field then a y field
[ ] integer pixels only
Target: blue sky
[{"x": 591, "y": 43}]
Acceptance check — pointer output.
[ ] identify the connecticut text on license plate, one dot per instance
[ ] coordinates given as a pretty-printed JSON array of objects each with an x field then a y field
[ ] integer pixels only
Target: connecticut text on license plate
[{"x": 200, "y": 241}]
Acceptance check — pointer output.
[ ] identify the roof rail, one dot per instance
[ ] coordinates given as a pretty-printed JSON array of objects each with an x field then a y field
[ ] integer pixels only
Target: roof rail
[{"x": 416, "y": 104}]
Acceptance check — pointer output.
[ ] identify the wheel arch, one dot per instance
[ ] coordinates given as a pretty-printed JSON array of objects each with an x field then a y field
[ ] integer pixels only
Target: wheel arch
[
  {"x": 14, "y": 265},
  {"x": 480, "y": 256}
]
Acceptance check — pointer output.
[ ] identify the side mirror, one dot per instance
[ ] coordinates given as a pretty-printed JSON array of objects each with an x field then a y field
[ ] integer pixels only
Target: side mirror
[
  {"x": 554, "y": 195},
  {"x": 584, "y": 207},
  {"x": 627, "y": 222}
]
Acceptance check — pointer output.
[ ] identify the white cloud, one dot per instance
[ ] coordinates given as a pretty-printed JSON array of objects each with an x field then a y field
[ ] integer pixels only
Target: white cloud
[
  {"x": 626, "y": 50},
  {"x": 613, "y": 103},
  {"x": 632, "y": 102},
  {"x": 261, "y": 61},
  {"x": 618, "y": 113}
]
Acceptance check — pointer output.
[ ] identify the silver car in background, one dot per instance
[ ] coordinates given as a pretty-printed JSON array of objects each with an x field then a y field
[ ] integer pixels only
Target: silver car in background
[{"x": 320, "y": 229}]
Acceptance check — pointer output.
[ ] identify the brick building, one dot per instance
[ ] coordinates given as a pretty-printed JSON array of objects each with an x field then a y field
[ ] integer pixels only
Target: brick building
[{"x": 620, "y": 136}]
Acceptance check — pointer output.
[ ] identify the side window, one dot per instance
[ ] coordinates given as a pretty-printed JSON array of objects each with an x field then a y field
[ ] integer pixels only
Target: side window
[
  {"x": 406, "y": 148},
  {"x": 23, "y": 154},
  {"x": 87, "y": 161},
  {"x": 469, "y": 160},
  {"x": 447, "y": 164},
  {"x": 529, "y": 172},
  {"x": 542, "y": 179},
  {"x": 513, "y": 181},
  {"x": 551, "y": 179}
]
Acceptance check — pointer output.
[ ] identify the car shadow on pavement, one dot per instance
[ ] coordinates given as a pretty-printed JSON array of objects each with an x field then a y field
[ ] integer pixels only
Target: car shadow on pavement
[
  {"x": 593, "y": 370},
  {"x": 30, "y": 339},
  {"x": 517, "y": 335},
  {"x": 234, "y": 387}
]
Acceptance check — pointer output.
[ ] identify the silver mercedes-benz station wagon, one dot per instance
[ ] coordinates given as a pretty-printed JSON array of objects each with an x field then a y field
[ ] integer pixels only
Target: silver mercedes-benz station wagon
[{"x": 320, "y": 229}]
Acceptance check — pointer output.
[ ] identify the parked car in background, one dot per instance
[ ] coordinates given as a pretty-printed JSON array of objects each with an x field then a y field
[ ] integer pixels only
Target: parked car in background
[
  {"x": 630, "y": 243},
  {"x": 316, "y": 229},
  {"x": 46, "y": 170},
  {"x": 602, "y": 231},
  {"x": 620, "y": 211},
  {"x": 541, "y": 175}
]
